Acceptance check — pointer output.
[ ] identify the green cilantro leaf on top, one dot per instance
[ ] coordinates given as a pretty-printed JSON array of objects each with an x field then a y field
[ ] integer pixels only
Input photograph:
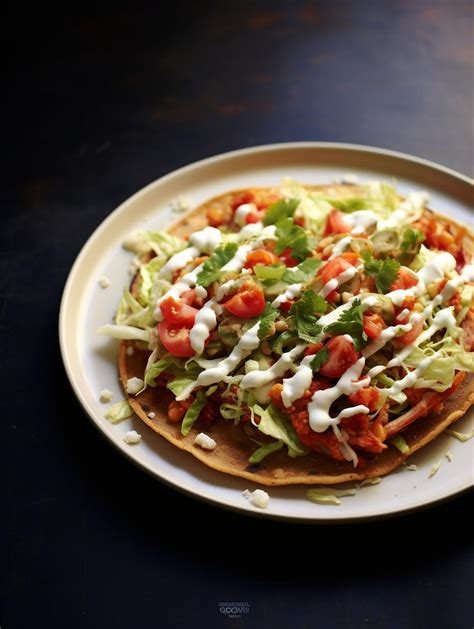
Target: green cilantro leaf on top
[
  {"x": 212, "y": 267},
  {"x": 319, "y": 359},
  {"x": 304, "y": 272},
  {"x": 350, "y": 322},
  {"x": 306, "y": 312},
  {"x": 267, "y": 318},
  {"x": 412, "y": 239},
  {"x": 292, "y": 237},
  {"x": 385, "y": 271},
  {"x": 284, "y": 208}
]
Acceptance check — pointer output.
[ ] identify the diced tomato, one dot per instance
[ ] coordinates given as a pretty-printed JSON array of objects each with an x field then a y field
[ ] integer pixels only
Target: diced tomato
[
  {"x": 248, "y": 302},
  {"x": 404, "y": 280},
  {"x": 408, "y": 337},
  {"x": 286, "y": 305},
  {"x": 240, "y": 199},
  {"x": 342, "y": 355},
  {"x": 313, "y": 348},
  {"x": 373, "y": 325},
  {"x": 288, "y": 259},
  {"x": 335, "y": 267},
  {"x": 260, "y": 256},
  {"x": 178, "y": 313},
  {"x": 368, "y": 397},
  {"x": 189, "y": 296},
  {"x": 263, "y": 203},
  {"x": 175, "y": 339},
  {"x": 337, "y": 223},
  {"x": 254, "y": 216},
  {"x": 356, "y": 424}
]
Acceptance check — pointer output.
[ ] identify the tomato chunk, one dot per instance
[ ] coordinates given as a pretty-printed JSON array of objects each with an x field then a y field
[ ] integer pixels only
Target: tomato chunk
[
  {"x": 175, "y": 339},
  {"x": 178, "y": 313},
  {"x": 342, "y": 355},
  {"x": 241, "y": 199},
  {"x": 248, "y": 302},
  {"x": 373, "y": 325},
  {"x": 408, "y": 337},
  {"x": 288, "y": 259},
  {"x": 260, "y": 256},
  {"x": 337, "y": 223},
  {"x": 404, "y": 280},
  {"x": 335, "y": 267}
]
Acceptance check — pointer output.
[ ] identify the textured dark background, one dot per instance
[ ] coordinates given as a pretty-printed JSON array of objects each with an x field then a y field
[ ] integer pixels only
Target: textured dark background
[{"x": 98, "y": 103}]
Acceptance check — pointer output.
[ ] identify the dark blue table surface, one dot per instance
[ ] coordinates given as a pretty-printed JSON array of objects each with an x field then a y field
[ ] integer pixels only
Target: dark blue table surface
[{"x": 98, "y": 104}]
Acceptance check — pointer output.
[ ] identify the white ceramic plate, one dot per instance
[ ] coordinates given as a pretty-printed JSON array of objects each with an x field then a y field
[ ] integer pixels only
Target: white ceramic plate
[{"x": 91, "y": 360}]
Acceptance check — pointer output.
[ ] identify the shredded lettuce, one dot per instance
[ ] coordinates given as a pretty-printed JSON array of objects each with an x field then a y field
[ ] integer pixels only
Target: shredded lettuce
[
  {"x": 265, "y": 450},
  {"x": 274, "y": 423},
  {"x": 160, "y": 242},
  {"x": 119, "y": 411},
  {"x": 127, "y": 303},
  {"x": 399, "y": 442},
  {"x": 193, "y": 412},
  {"x": 148, "y": 273},
  {"x": 328, "y": 495},
  {"x": 125, "y": 332}
]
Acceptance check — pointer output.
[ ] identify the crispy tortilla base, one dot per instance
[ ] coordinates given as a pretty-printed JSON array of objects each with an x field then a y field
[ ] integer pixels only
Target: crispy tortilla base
[{"x": 234, "y": 447}]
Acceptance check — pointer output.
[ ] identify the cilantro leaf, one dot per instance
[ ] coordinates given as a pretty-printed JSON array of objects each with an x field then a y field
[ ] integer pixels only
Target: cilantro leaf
[
  {"x": 353, "y": 204},
  {"x": 319, "y": 359},
  {"x": 304, "y": 272},
  {"x": 284, "y": 208},
  {"x": 293, "y": 237},
  {"x": 350, "y": 322},
  {"x": 412, "y": 239},
  {"x": 212, "y": 267},
  {"x": 306, "y": 312},
  {"x": 267, "y": 318},
  {"x": 385, "y": 271}
]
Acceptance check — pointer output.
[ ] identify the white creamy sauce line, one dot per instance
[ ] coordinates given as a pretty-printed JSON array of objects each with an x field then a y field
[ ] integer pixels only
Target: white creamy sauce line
[
  {"x": 290, "y": 293},
  {"x": 340, "y": 247},
  {"x": 294, "y": 388},
  {"x": 321, "y": 402},
  {"x": 258, "y": 378},
  {"x": 342, "y": 278},
  {"x": 206, "y": 320},
  {"x": 243, "y": 211},
  {"x": 178, "y": 262},
  {"x": 248, "y": 342}
]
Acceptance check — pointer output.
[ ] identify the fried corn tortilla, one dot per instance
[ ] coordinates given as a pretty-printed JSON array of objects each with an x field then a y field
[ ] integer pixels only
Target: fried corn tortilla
[{"x": 234, "y": 447}]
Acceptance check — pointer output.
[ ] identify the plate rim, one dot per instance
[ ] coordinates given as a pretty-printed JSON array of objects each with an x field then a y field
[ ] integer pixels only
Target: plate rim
[{"x": 199, "y": 494}]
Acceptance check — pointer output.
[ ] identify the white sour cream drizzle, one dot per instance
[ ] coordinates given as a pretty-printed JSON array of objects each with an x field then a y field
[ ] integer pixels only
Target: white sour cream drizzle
[
  {"x": 340, "y": 247},
  {"x": 342, "y": 278},
  {"x": 321, "y": 402},
  {"x": 243, "y": 211},
  {"x": 247, "y": 343},
  {"x": 177, "y": 262},
  {"x": 291, "y": 292},
  {"x": 257, "y": 378},
  {"x": 206, "y": 320},
  {"x": 361, "y": 221},
  {"x": 295, "y": 387}
]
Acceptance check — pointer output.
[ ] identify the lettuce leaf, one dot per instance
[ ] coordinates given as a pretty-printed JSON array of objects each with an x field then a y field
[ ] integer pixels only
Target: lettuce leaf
[
  {"x": 275, "y": 423},
  {"x": 193, "y": 412}
]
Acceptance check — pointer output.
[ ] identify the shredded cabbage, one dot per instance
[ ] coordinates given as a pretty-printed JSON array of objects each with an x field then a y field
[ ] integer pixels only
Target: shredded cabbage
[
  {"x": 160, "y": 242},
  {"x": 274, "y": 423},
  {"x": 328, "y": 495},
  {"x": 119, "y": 411},
  {"x": 125, "y": 332}
]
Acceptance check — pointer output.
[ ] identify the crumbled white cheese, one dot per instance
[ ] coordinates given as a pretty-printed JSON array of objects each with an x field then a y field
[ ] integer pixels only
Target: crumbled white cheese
[
  {"x": 449, "y": 456},
  {"x": 206, "y": 442},
  {"x": 151, "y": 415},
  {"x": 132, "y": 437},
  {"x": 350, "y": 179},
  {"x": 130, "y": 351},
  {"x": 134, "y": 385},
  {"x": 104, "y": 281},
  {"x": 106, "y": 395},
  {"x": 259, "y": 498},
  {"x": 412, "y": 467}
]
